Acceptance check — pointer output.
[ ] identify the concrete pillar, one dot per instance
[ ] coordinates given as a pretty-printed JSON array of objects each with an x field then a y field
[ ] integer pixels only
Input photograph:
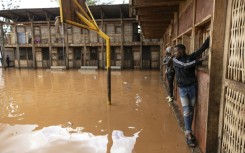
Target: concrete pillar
[
  {"x": 17, "y": 46},
  {"x": 33, "y": 46},
  {"x": 216, "y": 73},
  {"x": 141, "y": 50},
  {"x": 122, "y": 43},
  {"x": 49, "y": 43}
]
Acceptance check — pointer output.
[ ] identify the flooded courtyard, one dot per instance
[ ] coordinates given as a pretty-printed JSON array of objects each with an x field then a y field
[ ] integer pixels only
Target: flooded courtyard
[{"x": 44, "y": 111}]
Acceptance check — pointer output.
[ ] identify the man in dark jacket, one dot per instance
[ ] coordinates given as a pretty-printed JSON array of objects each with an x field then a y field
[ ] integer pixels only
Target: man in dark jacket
[
  {"x": 184, "y": 66},
  {"x": 169, "y": 72}
]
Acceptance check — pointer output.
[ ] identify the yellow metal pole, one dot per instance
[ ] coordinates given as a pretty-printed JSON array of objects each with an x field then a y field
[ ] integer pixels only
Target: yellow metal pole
[
  {"x": 78, "y": 25},
  {"x": 61, "y": 10},
  {"x": 108, "y": 61},
  {"x": 92, "y": 25},
  {"x": 86, "y": 21},
  {"x": 91, "y": 16},
  {"x": 108, "y": 54},
  {"x": 80, "y": 7}
]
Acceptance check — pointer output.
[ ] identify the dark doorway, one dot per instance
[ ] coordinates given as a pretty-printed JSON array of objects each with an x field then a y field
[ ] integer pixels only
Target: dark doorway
[
  {"x": 93, "y": 56},
  {"x": 78, "y": 57},
  {"x": 77, "y": 53},
  {"x": 128, "y": 58},
  {"x": 146, "y": 57},
  {"x": 113, "y": 56},
  {"x": 61, "y": 56},
  {"x": 26, "y": 57},
  {"x": 46, "y": 59}
]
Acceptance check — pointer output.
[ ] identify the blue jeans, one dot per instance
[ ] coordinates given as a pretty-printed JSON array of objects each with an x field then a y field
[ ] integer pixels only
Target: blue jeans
[{"x": 188, "y": 96}]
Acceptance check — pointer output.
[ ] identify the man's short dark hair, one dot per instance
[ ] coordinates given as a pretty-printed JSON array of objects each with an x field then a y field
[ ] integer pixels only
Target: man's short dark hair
[{"x": 181, "y": 46}]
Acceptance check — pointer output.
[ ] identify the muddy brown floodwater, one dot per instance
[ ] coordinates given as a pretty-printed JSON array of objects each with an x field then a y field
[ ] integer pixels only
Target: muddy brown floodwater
[{"x": 44, "y": 111}]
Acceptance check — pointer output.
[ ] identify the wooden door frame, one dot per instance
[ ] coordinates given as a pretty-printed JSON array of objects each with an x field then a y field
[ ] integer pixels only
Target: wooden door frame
[{"x": 225, "y": 60}]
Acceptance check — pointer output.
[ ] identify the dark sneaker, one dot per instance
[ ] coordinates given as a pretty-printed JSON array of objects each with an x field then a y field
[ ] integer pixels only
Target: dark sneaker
[
  {"x": 193, "y": 137},
  {"x": 190, "y": 142}
]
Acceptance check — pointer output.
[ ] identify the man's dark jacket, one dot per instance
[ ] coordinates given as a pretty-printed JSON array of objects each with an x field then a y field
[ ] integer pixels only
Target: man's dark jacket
[{"x": 185, "y": 66}]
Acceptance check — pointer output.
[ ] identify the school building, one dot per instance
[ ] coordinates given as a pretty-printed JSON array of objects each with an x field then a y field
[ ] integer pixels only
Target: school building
[
  {"x": 34, "y": 41},
  {"x": 139, "y": 32}
]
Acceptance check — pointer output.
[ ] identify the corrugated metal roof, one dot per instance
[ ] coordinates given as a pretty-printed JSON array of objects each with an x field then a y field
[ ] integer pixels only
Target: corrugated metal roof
[{"x": 23, "y": 15}]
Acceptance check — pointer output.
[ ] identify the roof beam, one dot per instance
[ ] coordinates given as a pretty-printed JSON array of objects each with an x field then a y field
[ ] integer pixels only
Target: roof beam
[
  {"x": 103, "y": 12},
  {"x": 15, "y": 17},
  {"x": 169, "y": 2},
  {"x": 167, "y": 22},
  {"x": 156, "y": 17},
  {"x": 155, "y": 36},
  {"x": 154, "y": 33},
  {"x": 121, "y": 12},
  {"x": 154, "y": 26},
  {"x": 149, "y": 30},
  {"x": 29, "y": 16},
  {"x": 160, "y": 4},
  {"x": 33, "y": 14},
  {"x": 48, "y": 14},
  {"x": 157, "y": 10}
]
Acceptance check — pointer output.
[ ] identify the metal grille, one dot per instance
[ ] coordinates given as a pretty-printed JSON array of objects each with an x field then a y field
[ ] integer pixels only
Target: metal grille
[
  {"x": 233, "y": 130},
  {"x": 236, "y": 65},
  {"x": 234, "y": 122}
]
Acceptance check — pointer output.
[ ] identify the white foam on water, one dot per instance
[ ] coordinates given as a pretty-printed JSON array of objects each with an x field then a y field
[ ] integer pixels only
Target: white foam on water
[{"x": 122, "y": 144}]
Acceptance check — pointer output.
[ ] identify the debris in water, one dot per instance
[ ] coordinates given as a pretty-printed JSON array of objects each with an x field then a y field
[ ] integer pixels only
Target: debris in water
[
  {"x": 68, "y": 124},
  {"x": 103, "y": 130},
  {"x": 138, "y": 98},
  {"x": 130, "y": 127}
]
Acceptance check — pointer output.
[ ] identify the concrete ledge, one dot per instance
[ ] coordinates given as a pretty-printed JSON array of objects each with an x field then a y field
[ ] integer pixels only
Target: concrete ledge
[
  {"x": 58, "y": 67},
  {"x": 136, "y": 67},
  {"x": 116, "y": 67},
  {"x": 89, "y": 67}
]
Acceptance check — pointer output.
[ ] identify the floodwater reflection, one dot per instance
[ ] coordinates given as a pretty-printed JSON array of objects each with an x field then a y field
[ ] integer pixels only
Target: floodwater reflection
[
  {"x": 66, "y": 111},
  {"x": 24, "y": 138}
]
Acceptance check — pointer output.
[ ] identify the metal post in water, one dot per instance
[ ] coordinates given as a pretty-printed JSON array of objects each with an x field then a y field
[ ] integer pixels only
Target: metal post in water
[
  {"x": 90, "y": 24},
  {"x": 108, "y": 56}
]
